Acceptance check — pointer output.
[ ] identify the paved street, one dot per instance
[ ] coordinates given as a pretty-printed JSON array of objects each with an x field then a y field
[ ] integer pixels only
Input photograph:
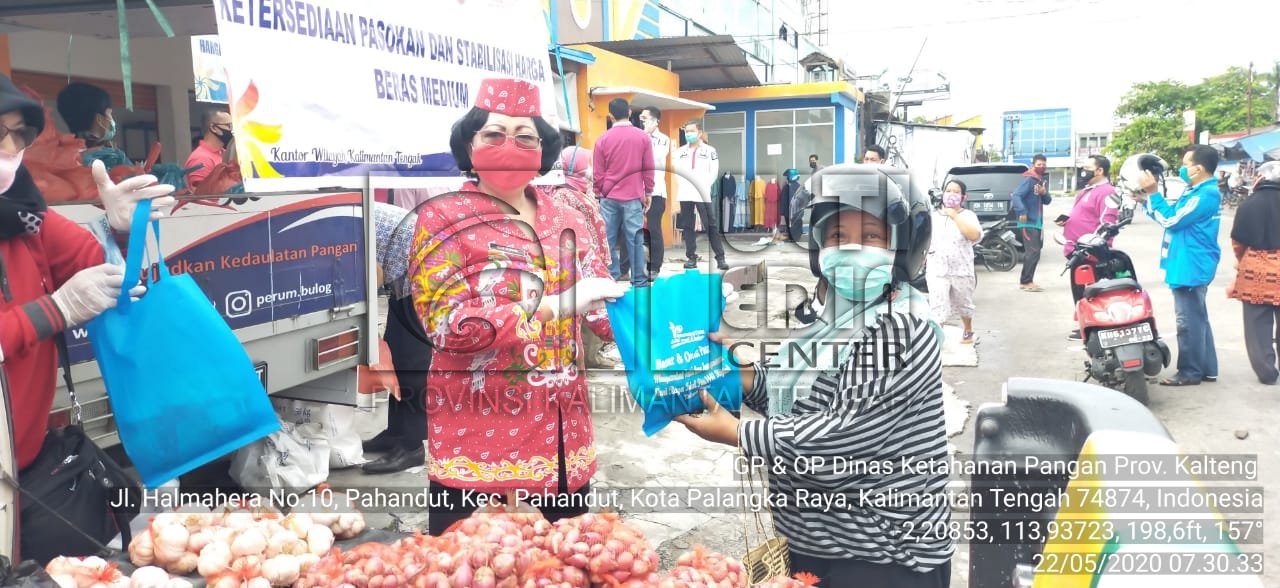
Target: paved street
[{"x": 1019, "y": 334}]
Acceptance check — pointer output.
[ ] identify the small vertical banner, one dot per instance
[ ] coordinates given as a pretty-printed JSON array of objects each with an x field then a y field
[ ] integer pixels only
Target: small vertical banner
[
  {"x": 1189, "y": 125},
  {"x": 210, "y": 76}
]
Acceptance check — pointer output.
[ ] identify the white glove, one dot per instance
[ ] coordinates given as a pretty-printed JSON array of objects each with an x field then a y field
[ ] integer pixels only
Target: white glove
[
  {"x": 587, "y": 295},
  {"x": 730, "y": 295},
  {"x": 91, "y": 291},
  {"x": 121, "y": 199}
]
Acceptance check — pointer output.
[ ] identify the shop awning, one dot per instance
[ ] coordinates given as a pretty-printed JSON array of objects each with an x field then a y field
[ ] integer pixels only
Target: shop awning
[
  {"x": 1259, "y": 147},
  {"x": 703, "y": 62},
  {"x": 642, "y": 97}
]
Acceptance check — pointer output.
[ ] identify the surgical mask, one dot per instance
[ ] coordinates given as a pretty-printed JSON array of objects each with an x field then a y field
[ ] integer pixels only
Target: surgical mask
[
  {"x": 1184, "y": 174},
  {"x": 1086, "y": 176},
  {"x": 813, "y": 165},
  {"x": 858, "y": 274},
  {"x": 691, "y": 138},
  {"x": 9, "y": 169},
  {"x": 111, "y": 131},
  {"x": 506, "y": 167}
]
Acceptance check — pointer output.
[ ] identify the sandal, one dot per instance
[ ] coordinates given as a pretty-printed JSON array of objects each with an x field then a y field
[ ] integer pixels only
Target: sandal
[{"x": 967, "y": 339}]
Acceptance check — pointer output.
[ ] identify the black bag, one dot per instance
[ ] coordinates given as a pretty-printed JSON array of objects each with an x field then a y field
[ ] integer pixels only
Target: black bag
[
  {"x": 26, "y": 575},
  {"x": 74, "y": 498}
]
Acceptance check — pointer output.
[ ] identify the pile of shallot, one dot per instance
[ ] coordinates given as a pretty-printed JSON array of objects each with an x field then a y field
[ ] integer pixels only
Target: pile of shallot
[
  {"x": 95, "y": 572},
  {"x": 701, "y": 568},
  {"x": 610, "y": 551},
  {"x": 238, "y": 548},
  {"x": 484, "y": 551}
]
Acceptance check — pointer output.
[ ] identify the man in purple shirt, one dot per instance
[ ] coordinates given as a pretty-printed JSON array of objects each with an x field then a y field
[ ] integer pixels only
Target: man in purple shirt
[
  {"x": 1096, "y": 204},
  {"x": 622, "y": 162}
]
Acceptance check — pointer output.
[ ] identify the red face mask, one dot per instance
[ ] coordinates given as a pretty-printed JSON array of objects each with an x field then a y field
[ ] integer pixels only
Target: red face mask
[{"x": 506, "y": 167}]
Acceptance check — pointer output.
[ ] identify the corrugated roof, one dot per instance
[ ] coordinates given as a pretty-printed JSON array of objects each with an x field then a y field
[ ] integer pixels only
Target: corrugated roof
[{"x": 703, "y": 62}]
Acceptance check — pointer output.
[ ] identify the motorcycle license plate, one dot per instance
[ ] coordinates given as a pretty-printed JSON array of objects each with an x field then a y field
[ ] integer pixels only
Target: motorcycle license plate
[
  {"x": 1139, "y": 333},
  {"x": 1007, "y": 236}
]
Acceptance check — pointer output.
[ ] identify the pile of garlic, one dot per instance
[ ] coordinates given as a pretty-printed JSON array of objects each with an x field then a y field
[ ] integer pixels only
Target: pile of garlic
[{"x": 235, "y": 548}]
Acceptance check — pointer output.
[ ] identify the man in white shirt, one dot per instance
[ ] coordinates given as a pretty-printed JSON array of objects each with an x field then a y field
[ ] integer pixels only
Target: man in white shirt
[{"x": 696, "y": 165}]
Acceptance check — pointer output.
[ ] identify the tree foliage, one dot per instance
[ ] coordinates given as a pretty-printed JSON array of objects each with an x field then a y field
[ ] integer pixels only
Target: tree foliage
[{"x": 1154, "y": 111}]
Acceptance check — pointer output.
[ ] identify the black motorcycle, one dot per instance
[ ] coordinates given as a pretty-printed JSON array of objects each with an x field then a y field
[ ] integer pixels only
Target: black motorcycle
[{"x": 997, "y": 250}]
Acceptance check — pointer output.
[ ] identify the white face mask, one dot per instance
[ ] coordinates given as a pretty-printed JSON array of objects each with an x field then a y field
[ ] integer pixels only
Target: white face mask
[{"x": 9, "y": 169}]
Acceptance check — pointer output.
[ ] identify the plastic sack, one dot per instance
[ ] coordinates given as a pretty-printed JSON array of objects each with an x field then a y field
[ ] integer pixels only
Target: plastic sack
[
  {"x": 661, "y": 334},
  {"x": 336, "y": 425},
  {"x": 27, "y": 574},
  {"x": 295, "y": 458},
  {"x": 220, "y": 180},
  {"x": 380, "y": 376},
  {"x": 183, "y": 390}
]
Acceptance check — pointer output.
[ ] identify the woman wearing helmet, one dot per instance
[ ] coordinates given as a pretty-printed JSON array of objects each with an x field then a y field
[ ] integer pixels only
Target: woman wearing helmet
[{"x": 862, "y": 389}]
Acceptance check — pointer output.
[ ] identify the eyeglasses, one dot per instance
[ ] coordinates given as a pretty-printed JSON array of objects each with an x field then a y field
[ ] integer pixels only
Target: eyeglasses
[
  {"x": 22, "y": 137},
  {"x": 499, "y": 138}
]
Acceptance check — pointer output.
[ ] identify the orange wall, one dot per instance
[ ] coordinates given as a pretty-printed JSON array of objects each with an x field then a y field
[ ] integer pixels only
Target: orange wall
[{"x": 611, "y": 69}]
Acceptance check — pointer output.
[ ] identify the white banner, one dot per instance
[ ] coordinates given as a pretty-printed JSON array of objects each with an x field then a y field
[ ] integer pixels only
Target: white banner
[
  {"x": 206, "y": 63},
  {"x": 325, "y": 92}
]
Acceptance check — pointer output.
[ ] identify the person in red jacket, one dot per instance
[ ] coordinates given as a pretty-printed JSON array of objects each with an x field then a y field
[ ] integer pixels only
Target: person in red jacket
[{"x": 52, "y": 275}]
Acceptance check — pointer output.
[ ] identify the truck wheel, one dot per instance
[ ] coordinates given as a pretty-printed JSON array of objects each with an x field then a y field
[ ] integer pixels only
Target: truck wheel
[
  {"x": 1002, "y": 256},
  {"x": 1135, "y": 386}
]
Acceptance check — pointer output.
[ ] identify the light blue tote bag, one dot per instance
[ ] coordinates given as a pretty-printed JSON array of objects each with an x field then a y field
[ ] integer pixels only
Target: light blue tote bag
[{"x": 182, "y": 388}]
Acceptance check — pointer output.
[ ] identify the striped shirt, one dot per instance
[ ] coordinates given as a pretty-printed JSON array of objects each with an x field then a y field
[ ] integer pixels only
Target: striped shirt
[{"x": 880, "y": 412}]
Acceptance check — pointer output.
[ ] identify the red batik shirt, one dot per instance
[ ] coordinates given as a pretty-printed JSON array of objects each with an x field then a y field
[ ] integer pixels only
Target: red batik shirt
[{"x": 504, "y": 388}]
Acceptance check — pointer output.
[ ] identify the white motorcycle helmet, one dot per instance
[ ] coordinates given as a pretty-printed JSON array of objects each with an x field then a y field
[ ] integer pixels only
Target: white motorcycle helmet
[{"x": 1131, "y": 172}]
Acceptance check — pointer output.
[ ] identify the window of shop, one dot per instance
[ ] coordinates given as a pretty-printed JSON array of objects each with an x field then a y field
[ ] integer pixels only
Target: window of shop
[
  {"x": 727, "y": 132},
  {"x": 786, "y": 138}
]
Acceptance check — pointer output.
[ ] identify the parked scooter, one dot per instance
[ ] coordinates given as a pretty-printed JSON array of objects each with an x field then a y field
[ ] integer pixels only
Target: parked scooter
[
  {"x": 1114, "y": 315},
  {"x": 997, "y": 249}
]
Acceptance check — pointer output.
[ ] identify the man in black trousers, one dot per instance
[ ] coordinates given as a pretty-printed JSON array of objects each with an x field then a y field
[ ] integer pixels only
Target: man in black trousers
[{"x": 402, "y": 441}]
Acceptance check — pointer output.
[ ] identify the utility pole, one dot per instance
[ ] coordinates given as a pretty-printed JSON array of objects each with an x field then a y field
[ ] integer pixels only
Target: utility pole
[{"x": 1249, "y": 93}]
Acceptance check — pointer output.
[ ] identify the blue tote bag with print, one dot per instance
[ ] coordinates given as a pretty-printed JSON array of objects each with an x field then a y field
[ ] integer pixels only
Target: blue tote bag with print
[
  {"x": 182, "y": 388},
  {"x": 661, "y": 332}
]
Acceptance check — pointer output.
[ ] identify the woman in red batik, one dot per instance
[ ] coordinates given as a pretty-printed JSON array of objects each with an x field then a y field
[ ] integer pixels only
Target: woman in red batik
[{"x": 503, "y": 276}]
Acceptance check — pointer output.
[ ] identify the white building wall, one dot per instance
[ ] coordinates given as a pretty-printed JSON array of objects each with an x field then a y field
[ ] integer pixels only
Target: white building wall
[{"x": 162, "y": 62}]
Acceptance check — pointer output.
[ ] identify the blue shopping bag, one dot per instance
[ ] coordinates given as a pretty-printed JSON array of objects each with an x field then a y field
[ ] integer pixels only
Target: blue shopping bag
[
  {"x": 661, "y": 332},
  {"x": 182, "y": 388}
]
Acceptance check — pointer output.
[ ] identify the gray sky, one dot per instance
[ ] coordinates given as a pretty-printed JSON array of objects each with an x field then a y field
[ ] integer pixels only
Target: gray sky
[{"x": 1021, "y": 54}]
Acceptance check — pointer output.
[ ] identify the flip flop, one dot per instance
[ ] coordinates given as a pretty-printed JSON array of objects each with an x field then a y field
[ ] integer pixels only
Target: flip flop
[
  {"x": 967, "y": 339},
  {"x": 1178, "y": 381},
  {"x": 1032, "y": 289}
]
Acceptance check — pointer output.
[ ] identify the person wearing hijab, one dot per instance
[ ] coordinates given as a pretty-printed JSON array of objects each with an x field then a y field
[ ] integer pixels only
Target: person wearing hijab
[
  {"x": 576, "y": 164},
  {"x": 1255, "y": 237},
  {"x": 53, "y": 275},
  {"x": 503, "y": 277},
  {"x": 835, "y": 390}
]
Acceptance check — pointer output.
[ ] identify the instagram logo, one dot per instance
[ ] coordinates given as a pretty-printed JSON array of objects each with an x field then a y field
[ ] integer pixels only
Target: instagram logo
[{"x": 239, "y": 303}]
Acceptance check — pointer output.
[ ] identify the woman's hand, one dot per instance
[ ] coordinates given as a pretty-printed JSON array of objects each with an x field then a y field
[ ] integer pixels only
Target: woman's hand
[{"x": 716, "y": 425}]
